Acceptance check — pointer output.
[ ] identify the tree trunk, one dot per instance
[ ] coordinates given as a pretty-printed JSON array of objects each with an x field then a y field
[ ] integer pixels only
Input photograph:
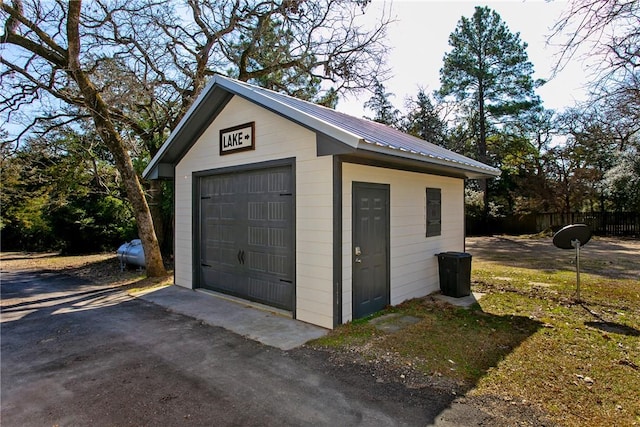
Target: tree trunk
[
  {"x": 108, "y": 133},
  {"x": 154, "y": 199},
  {"x": 482, "y": 152}
]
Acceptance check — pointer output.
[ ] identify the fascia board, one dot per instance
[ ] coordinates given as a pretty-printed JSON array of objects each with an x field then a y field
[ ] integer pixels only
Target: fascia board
[{"x": 471, "y": 171}]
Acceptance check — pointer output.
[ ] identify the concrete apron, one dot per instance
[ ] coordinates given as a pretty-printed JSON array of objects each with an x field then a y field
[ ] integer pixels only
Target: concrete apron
[{"x": 260, "y": 323}]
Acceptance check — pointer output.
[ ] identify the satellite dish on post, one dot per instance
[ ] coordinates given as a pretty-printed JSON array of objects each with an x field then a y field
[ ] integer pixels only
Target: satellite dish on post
[{"x": 573, "y": 237}]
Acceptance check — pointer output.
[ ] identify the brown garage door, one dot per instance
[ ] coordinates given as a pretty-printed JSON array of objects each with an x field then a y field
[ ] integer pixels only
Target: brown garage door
[{"x": 247, "y": 237}]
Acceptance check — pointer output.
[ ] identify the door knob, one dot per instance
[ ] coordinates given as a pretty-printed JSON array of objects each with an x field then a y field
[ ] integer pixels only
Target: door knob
[{"x": 357, "y": 251}]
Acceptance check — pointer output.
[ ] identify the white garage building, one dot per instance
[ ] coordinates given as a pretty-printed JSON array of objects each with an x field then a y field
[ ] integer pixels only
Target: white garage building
[{"x": 300, "y": 207}]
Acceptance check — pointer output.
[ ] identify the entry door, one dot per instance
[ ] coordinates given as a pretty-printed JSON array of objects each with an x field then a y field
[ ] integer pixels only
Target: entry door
[
  {"x": 370, "y": 252},
  {"x": 246, "y": 235}
]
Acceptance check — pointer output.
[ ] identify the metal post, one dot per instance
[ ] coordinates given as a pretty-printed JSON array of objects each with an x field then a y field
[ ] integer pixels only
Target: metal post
[{"x": 576, "y": 244}]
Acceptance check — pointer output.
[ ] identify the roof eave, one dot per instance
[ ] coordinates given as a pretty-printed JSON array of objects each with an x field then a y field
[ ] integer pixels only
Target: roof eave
[{"x": 468, "y": 170}]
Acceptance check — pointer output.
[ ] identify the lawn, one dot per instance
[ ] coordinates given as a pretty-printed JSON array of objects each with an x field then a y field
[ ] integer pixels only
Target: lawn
[{"x": 528, "y": 340}]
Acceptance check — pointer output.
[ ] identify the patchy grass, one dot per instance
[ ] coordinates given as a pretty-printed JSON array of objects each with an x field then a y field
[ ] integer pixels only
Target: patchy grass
[
  {"x": 461, "y": 344},
  {"x": 583, "y": 367},
  {"x": 528, "y": 340}
]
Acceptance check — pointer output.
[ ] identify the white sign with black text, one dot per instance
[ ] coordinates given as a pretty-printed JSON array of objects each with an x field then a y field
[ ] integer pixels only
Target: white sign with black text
[{"x": 237, "y": 138}]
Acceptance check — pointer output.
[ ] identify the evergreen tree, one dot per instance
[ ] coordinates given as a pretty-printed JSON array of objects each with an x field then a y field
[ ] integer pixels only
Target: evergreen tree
[
  {"x": 488, "y": 72},
  {"x": 423, "y": 120},
  {"x": 383, "y": 109}
]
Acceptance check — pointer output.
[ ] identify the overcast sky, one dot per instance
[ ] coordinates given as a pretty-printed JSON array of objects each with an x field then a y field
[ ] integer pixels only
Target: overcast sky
[{"x": 419, "y": 40}]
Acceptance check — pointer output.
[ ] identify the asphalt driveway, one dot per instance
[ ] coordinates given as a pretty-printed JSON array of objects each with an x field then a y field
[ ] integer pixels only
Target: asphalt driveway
[{"x": 75, "y": 354}]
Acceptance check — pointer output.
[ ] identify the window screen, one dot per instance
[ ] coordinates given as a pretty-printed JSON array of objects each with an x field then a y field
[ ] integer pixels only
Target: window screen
[{"x": 434, "y": 212}]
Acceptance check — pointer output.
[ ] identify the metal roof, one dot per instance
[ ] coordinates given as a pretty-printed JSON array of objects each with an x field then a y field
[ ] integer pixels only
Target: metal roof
[{"x": 359, "y": 136}]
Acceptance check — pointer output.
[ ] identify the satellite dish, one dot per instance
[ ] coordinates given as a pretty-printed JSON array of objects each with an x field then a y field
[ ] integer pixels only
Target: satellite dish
[
  {"x": 566, "y": 237},
  {"x": 573, "y": 237}
]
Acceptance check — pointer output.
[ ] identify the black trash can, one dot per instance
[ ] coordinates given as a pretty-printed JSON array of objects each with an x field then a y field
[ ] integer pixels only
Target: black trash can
[{"x": 455, "y": 273}]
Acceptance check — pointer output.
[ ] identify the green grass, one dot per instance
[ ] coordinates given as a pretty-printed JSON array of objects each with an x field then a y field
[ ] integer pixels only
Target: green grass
[
  {"x": 578, "y": 372},
  {"x": 459, "y": 343},
  {"x": 528, "y": 339}
]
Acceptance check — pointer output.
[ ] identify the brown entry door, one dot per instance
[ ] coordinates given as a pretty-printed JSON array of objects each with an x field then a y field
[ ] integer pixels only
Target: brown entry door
[{"x": 370, "y": 252}]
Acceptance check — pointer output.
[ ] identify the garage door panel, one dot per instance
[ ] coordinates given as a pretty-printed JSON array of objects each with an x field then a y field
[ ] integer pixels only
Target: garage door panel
[
  {"x": 227, "y": 234},
  {"x": 256, "y": 183},
  {"x": 273, "y": 292},
  {"x": 228, "y": 257},
  {"x": 226, "y": 280},
  {"x": 257, "y": 261},
  {"x": 278, "y": 238},
  {"x": 224, "y": 185},
  {"x": 229, "y": 282},
  {"x": 279, "y": 181},
  {"x": 258, "y": 236},
  {"x": 227, "y": 211},
  {"x": 212, "y": 210},
  {"x": 257, "y": 210},
  {"x": 278, "y": 210},
  {"x": 279, "y": 265},
  {"x": 247, "y": 235}
]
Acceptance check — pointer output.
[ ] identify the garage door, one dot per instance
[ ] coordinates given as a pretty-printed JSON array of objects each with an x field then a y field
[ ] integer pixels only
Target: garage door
[{"x": 246, "y": 232}]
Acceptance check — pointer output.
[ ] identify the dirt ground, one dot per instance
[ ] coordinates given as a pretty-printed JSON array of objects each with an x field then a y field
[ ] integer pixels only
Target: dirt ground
[{"x": 606, "y": 256}]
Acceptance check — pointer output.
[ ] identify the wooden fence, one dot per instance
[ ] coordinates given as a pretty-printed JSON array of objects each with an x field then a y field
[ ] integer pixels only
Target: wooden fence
[{"x": 600, "y": 223}]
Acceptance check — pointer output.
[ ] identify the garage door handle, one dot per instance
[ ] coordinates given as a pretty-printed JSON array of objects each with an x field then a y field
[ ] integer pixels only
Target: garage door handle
[{"x": 241, "y": 256}]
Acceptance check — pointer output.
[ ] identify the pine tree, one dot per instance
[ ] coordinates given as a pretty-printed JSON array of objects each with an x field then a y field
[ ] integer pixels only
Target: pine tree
[
  {"x": 423, "y": 120},
  {"x": 383, "y": 109},
  {"x": 488, "y": 72}
]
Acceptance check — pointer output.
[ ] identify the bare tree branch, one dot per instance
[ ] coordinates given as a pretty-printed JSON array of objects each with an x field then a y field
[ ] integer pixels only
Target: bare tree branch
[{"x": 608, "y": 30}]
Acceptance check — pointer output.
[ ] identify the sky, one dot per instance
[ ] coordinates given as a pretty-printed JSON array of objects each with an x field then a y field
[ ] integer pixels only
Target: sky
[{"x": 419, "y": 41}]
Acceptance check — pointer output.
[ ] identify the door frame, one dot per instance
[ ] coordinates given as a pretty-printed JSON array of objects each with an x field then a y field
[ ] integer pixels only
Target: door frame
[
  {"x": 196, "y": 217},
  {"x": 386, "y": 188}
]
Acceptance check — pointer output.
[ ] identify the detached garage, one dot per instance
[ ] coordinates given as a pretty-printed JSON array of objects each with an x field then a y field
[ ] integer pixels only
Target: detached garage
[{"x": 300, "y": 207}]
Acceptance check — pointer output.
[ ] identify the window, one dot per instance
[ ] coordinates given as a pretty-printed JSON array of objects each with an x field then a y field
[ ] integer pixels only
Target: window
[{"x": 434, "y": 212}]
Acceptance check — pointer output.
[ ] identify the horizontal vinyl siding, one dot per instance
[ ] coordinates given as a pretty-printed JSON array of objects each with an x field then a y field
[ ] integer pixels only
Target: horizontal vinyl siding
[
  {"x": 275, "y": 138},
  {"x": 414, "y": 266},
  {"x": 314, "y": 240}
]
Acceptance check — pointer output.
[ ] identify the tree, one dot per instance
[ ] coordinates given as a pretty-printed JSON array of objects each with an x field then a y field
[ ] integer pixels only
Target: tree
[
  {"x": 534, "y": 190},
  {"x": 609, "y": 33},
  {"x": 622, "y": 181},
  {"x": 70, "y": 81},
  {"x": 135, "y": 66},
  {"x": 423, "y": 120},
  {"x": 383, "y": 109},
  {"x": 488, "y": 72},
  {"x": 61, "y": 192},
  {"x": 606, "y": 35}
]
